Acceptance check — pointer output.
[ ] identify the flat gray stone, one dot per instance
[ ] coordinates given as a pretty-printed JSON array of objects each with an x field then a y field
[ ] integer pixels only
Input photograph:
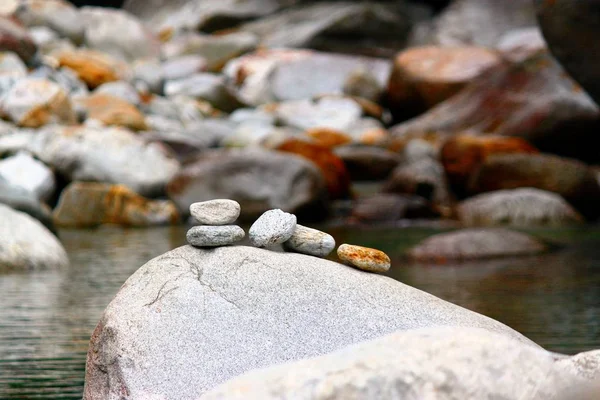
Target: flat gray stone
[
  {"x": 214, "y": 236},
  {"x": 310, "y": 241},
  {"x": 216, "y": 212},
  {"x": 207, "y": 315},
  {"x": 273, "y": 227}
]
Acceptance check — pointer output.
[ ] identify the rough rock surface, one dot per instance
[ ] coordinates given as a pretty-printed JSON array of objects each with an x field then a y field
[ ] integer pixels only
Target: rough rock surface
[
  {"x": 112, "y": 155},
  {"x": 440, "y": 363},
  {"x": 216, "y": 212},
  {"x": 364, "y": 258},
  {"x": 246, "y": 308},
  {"x": 469, "y": 244},
  {"x": 32, "y": 175},
  {"x": 271, "y": 228},
  {"x": 259, "y": 180},
  {"x": 87, "y": 204},
  {"x": 92, "y": 67},
  {"x": 310, "y": 241},
  {"x": 112, "y": 110},
  {"x": 26, "y": 245},
  {"x": 214, "y": 236},
  {"x": 524, "y": 207},
  {"x": 58, "y": 15},
  {"x": 23, "y": 200}
]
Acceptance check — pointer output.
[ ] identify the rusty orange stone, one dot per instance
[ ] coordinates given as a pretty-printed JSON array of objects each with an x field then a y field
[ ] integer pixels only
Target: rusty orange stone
[
  {"x": 92, "y": 67},
  {"x": 112, "y": 110},
  {"x": 332, "y": 167},
  {"x": 364, "y": 258},
  {"x": 462, "y": 154},
  {"x": 329, "y": 138}
]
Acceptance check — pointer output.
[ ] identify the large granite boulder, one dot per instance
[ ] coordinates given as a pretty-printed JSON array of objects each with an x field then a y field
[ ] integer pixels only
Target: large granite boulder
[
  {"x": 111, "y": 155},
  {"x": 431, "y": 363},
  {"x": 26, "y": 245},
  {"x": 190, "y": 319}
]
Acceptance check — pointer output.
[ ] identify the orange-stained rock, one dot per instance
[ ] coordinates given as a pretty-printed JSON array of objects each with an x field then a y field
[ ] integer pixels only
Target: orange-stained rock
[
  {"x": 332, "y": 167},
  {"x": 329, "y": 138},
  {"x": 92, "y": 67},
  {"x": 425, "y": 76},
  {"x": 87, "y": 204},
  {"x": 364, "y": 258},
  {"x": 462, "y": 154},
  {"x": 112, "y": 110}
]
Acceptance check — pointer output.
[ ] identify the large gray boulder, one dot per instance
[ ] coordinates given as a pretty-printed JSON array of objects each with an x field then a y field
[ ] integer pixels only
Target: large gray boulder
[
  {"x": 431, "y": 363},
  {"x": 191, "y": 319},
  {"x": 112, "y": 155},
  {"x": 27, "y": 245},
  {"x": 24, "y": 200}
]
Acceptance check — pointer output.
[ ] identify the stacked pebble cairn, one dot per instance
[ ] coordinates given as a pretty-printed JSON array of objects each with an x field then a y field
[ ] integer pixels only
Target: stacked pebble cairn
[{"x": 272, "y": 228}]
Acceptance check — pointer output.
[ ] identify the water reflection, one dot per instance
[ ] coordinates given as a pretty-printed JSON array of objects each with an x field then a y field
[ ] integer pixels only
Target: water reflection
[{"x": 46, "y": 318}]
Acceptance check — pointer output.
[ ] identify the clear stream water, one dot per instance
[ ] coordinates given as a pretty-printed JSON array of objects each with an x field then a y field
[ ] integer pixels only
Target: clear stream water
[{"x": 46, "y": 318}]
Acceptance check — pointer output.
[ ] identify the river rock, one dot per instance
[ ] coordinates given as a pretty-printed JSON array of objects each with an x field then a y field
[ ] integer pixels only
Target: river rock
[
  {"x": 216, "y": 212},
  {"x": 332, "y": 113},
  {"x": 88, "y": 204},
  {"x": 58, "y": 15},
  {"x": 27, "y": 245},
  {"x": 205, "y": 86},
  {"x": 327, "y": 137},
  {"x": 122, "y": 90},
  {"x": 28, "y": 173},
  {"x": 112, "y": 110},
  {"x": 118, "y": 33},
  {"x": 21, "y": 199},
  {"x": 271, "y": 228},
  {"x": 423, "y": 77},
  {"x": 259, "y": 180},
  {"x": 368, "y": 163},
  {"x": 310, "y": 241},
  {"x": 472, "y": 244},
  {"x": 183, "y": 66},
  {"x": 425, "y": 178},
  {"x": 364, "y": 84},
  {"x": 214, "y": 236},
  {"x": 14, "y": 37},
  {"x": 389, "y": 208},
  {"x": 572, "y": 179},
  {"x": 331, "y": 166},
  {"x": 525, "y": 207},
  {"x": 252, "y": 308},
  {"x": 11, "y": 65},
  {"x": 531, "y": 99},
  {"x": 519, "y": 44},
  {"x": 33, "y": 103},
  {"x": 364, "y": 258},
  {"x": 112, "y": 155},
  {"x": 415, "y": 364},
  {"x": 92, "y": 67}
]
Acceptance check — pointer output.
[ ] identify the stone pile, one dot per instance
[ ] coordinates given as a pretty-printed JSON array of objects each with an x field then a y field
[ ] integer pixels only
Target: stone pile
[{"x": 272, "y": 228}]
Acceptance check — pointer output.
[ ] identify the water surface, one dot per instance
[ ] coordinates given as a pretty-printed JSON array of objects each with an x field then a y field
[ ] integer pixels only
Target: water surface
[{"x": 46, "y": 318}]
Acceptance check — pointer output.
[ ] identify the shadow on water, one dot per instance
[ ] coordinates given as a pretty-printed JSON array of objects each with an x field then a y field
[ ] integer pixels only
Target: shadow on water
[{"x": 47, "y": 317}]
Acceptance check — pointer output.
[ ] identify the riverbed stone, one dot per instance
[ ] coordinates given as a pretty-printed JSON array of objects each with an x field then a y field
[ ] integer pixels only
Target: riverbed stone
[
  {"x": 216, "y": 212},
  {"x": 113, "y": 110},
  {"x": 271, "y": 228},
  {"x": 21, "y": 199},
  {"x": 14, "y": 37},
  {"x": 26, "y": 245},
  {"x": 246, "y": 308},
  {"x": 32, "y": 175},
  {"x": 364, "y": 258},
  {"x": 310, "y": 241},
  {"x": 473, "y": 244},
  {"x": 11, "y": 65},
  {"x": 441, "y": 362},
  {"x": 214, "y": 236},
  {"x": 92, "y": 67},
  {"x": 58, "y": 15}
]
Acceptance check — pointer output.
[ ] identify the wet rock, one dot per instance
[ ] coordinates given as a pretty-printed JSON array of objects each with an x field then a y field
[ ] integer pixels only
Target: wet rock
[
  {"x": 389, "y": 208},
  {"x": 112, "y": 110},
  {"x": 463, "y": 153},
  {"x": 259, "y": 180},
  {"x": 34, "y": 103},
  {"x": 58, "y": 15},
  {"x": 64, "y": 77},
  {"x": 216, "y": 212},
  {"x": 279, "y": 75},
  {"x": 419, "y": 149},
  {"x": 120, "y": 89},
  {"x": 27, "y": 245},
  {"x": 525, "y": 207},
  {"x": 112, "y": 155},
  {"x": 92, "y": 67},
  {"x": 468, "y": 244},
  {"x": 368, "y": 162},
  {"x": 214, "y": 236},
  {"x": 271, "y": 228},
  {"x": 425, "y": 178},
  {"x": 364, "y": 258},
  {"x": 362, "y": 83},
  {"x": 183, "y": 67},
  {"x": 410, "y": 364},
  {"x": 310, "y": 241},
  {"x": 332, "y": 113},
  {"x": 118, "y": 33},
  {"x": 209, "y": 87},
  {"x": 11, "y": 65},
  {"x": 216, "y": 50},
  {"x": 423, "y": 77},
  {"x": 28, "y": 173},
  {"x": 532, "y": 99},
  {"x": 571, "y": 179},
  {"x": 147, "y": 76},
  {"x": 252, "y": 308},
  {"x": 21, "y": 199},
  {"x": 519, "y": 44},
  {"x": 14, "y": 38},
  {"x": 327, "y": 137},
  {"x": 88, "y": 204},
  {"x": 331, "y": 166}
]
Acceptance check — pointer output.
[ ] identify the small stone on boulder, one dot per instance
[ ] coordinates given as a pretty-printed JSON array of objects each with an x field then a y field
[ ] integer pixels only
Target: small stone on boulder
[
  {"x": 271, "y": 228},
  {"x": 364, "y": 258},
  {"x": 216, "y": 212},
  {"x": 310, "y": 241},
  {"x": 214, "y": 236}
]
